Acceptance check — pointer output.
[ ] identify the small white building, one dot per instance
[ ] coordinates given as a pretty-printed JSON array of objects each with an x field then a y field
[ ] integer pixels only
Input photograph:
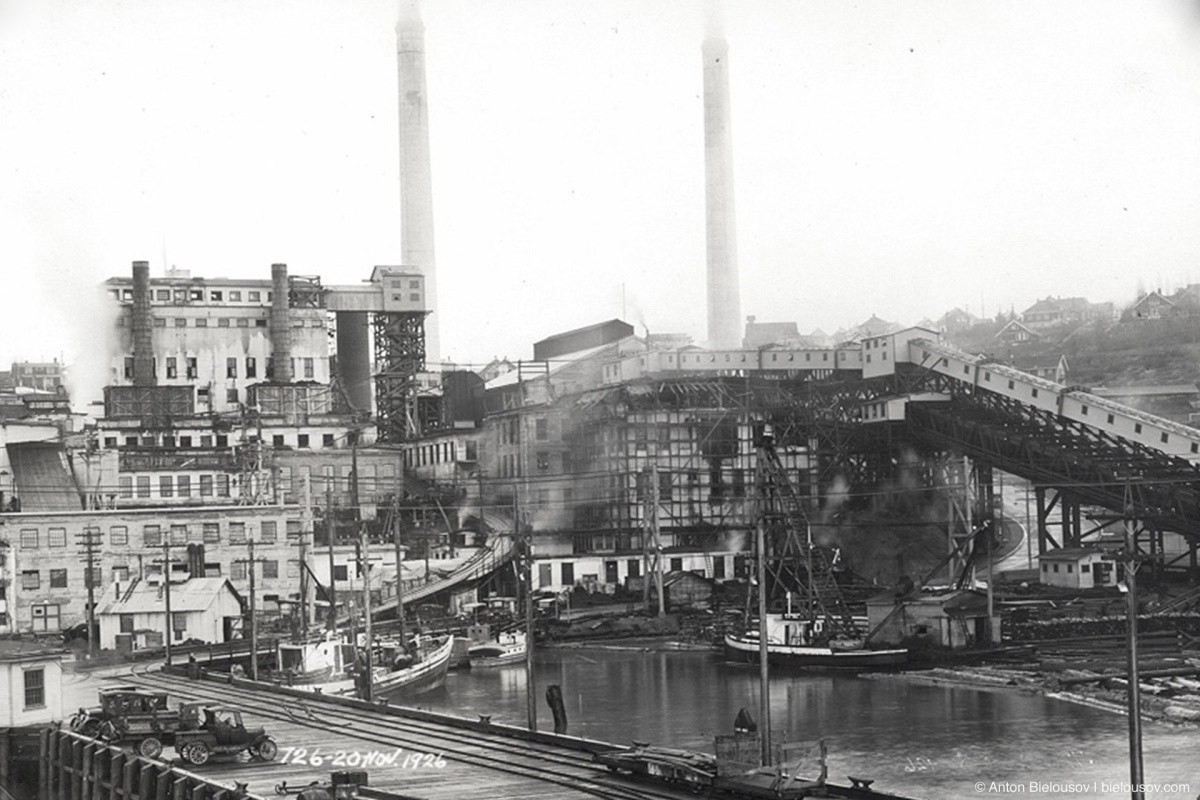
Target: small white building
[
  {"x": 30, "y": 684},
  {"x": 1077, "y": 568},
  {"x": 134, "y": 613}
]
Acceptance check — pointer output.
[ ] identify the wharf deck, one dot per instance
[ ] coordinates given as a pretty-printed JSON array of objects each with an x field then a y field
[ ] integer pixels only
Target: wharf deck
[{"x": 407, "y": 753}]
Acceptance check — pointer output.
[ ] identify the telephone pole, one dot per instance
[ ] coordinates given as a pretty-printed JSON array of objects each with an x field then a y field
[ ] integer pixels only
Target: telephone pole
[
  {"x": 399, "y": 568},
  {"x": 365, "y": 570},
  {"x": 330, "y": 532},
  {"x": 90, "y": 540},
  {"x": 652, "y": 546},
  {"x": 251, "y": 567}
]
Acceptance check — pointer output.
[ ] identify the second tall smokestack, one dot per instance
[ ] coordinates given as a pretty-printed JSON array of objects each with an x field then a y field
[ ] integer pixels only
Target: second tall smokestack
[
  {"x": 724, "y": 301},
  {"x": 416, "y": 183}
]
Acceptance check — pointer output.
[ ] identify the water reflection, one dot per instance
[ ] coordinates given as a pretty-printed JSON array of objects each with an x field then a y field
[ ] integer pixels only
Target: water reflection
[{"x": 932, "y": 742}]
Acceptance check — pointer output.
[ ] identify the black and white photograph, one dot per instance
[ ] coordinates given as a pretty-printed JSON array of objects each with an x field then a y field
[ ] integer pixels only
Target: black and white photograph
[{"x": 618, "y": 399}]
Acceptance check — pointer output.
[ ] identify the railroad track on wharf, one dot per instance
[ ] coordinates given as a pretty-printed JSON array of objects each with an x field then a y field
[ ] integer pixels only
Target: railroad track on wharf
[{"x": 400, "y": 753}]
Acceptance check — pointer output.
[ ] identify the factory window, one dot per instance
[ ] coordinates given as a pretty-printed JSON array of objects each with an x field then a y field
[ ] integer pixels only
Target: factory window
[
  {"x": 180, "y": 296},
  {"x": 124, "y": 486},
  {"x": 179, "y": 623},
  {"x": 163, "y": 295},
  {"x": 222, "y": 440},
  {"x": 1056, "y": 567},
  {"x": 231, "y": 368},
  {"x": 127, "y": 294},
  {"x": 868, "y": 358},
  {"x": 201, "y": 322},
  {"x": 260, "y": 323},
  {"x": 110, "y": 441},
  {"x": 966, "y": 370},
  {"x": 1033, "y": 393},
  {"x": 270, "y": 569},
  {"x": 31, "y": 579},
  {"x": 1137, "y": 428},
  {"x": 414, "y": 297},
  {"x": 147, "y": 441},
  {"x": 172, "y": 367},
  {"x": 1010, "y": 384},
  {"x": 237, "y": 570},
  {"x": 268, "y": 529},
  {"x": 1070, "y": 568},
  {"x": 1164, "y": 438},
  {"x": 118, "y": 534},
  {"x": 1111, "y": 419},
  {"x": 206, "y": 440},
  {"x": 206, "y": 486},
  {"x": 120, "y": 572},
  {"x": 92, "y": 577},
  {"x": 57, "y": 537},
  {"x": 35, "y": 683},
  {"x": 340, "y": 573},
  {"x": 222, "y": 322},
  {"x": 308, "y": 368},
  {"x": 129, "y": 369},
  {"x": 235, "y": 296},
  {"x": 541, "y": 428},
  {"x": 231, "y": 396},
  {"x": 883, "y": 355},
  {"x": 222, "y": 485},
  {"x": 237, "y": 533},
  {"x": 185, "y": 442},
  {"x": 327, "y": 440},
  {"x": 160, "y": 322},
  {"x": 251, "y": 367},
  {"x": 179, "y": 534},
  {"x": 143, "y": 485},
  {"x": 1083, "y": 410},
  {"x": 166, "y": 486},
  {"x": 183, "y": 485},
  {"x": 1195, "y": 447},
  {"x": 543, "y": 461},
  {"x": 196, "y": 295},
  {"x": 192, "y": 370},
  {"x": 824, "y": 356},
  {"x": 180, "y": 322},
  {"x": 292, "y": 528},
  {"x": 277, "y": 440},
  {"x": 216, "y": 297},
  {"x": 126, "y": 623},
  {"x": 243, "y": 322},
  {"x": 212, "y": 532},
  {"x": 302, "y": 440},
  {"x": 254, "y": 297}
]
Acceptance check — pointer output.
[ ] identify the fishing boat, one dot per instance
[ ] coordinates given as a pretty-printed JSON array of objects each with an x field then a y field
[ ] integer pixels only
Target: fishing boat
[
  {"x": 333, "y": 665},
  {"x": 507, "y": 648},
  {"x": 799, "y": 642}
]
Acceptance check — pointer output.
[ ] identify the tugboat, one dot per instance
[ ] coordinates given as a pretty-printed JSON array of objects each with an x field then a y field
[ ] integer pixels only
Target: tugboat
[{"x": 507, "y": 648}]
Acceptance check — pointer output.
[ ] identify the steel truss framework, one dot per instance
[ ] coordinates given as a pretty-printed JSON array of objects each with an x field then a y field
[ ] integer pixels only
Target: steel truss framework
[
  {"x": 399, "y": 356},
  {"x": 1085, "y": 464}
]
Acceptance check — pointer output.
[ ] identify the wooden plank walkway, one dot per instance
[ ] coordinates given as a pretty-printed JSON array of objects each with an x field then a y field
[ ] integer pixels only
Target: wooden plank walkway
[{"x": 405, "y": 752}]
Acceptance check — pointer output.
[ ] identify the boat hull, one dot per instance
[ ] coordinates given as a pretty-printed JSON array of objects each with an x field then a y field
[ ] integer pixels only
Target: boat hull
[
  {"x": 814, "y": 658},
  {"x": 425, "y": 676}
]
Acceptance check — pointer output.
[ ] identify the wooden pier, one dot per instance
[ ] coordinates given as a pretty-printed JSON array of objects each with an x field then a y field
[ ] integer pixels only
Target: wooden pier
[{"x": 406, "y": 753}]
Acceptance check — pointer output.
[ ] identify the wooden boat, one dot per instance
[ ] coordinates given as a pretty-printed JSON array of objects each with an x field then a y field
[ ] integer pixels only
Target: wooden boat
[
  {"x": 796, "y": 641},
  {"x": 333, "y": 666},
  {"x": 507, "y": 648}
]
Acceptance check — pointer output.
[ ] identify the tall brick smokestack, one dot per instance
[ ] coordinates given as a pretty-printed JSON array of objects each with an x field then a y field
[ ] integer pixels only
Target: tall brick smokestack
[
  {"x": 281, "y": 324},
  {"x": 416, "y": 184},
  {"x": 142, "y": 326},
  {"x": 724, "y": 301}
]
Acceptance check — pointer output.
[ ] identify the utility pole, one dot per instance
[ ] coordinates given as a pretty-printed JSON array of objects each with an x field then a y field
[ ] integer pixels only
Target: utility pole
[
  {"x": 90, "y": 539},
  {"x": 399, "y": 568},
  {"x": 166, "y": 546},
  {"x": 306, "y": 523},
  {"x": 329, "y": 529},
  {"x": 252, "y": 565},
  {"x": 527, "y": 575},
  {"x": 365, "y": 570},
  {"x": 1130, "y": 560},
  {"x": 764, "y": 674},
  {"x": 652, "y": 547}
]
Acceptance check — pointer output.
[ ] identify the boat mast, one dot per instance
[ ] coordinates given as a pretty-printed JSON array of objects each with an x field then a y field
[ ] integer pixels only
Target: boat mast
[
  {"x": 365, "y": 569},
  {"x": 763, "y": 445}
]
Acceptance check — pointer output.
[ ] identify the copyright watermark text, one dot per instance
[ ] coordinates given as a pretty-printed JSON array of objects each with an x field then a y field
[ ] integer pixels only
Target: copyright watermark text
[{"x": 1075, "y": 788}]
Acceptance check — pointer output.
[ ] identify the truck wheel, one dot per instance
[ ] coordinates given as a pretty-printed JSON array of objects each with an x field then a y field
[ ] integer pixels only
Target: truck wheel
[
  {"x": 197, "y": 753},
  {"x": 150, "y": 747},
  {"x": 266, "y": 750}
]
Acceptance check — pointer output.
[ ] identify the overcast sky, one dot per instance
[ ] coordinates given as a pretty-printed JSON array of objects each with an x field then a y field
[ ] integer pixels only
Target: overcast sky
[{"x": 891, "y": 158}]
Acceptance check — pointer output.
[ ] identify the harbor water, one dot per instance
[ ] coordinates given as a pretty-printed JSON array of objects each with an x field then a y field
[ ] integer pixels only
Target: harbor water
[{"x": 921, "y": 741}]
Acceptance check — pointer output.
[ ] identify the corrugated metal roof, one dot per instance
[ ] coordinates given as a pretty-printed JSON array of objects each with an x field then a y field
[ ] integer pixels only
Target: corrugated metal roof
[{"x": 140, "y": 597}]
